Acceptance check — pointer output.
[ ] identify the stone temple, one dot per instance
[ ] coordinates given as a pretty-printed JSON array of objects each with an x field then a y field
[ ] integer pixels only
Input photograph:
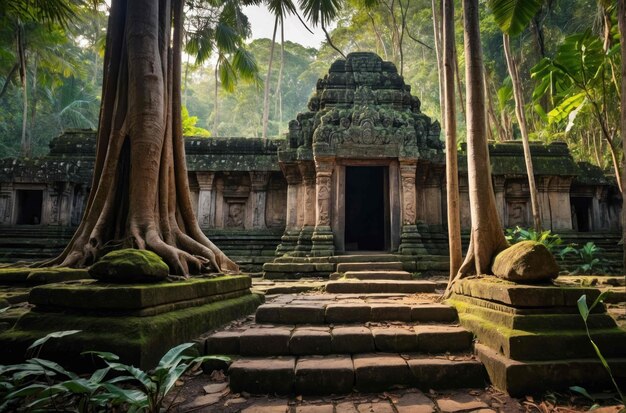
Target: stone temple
[{"x": 362, "y": 169}]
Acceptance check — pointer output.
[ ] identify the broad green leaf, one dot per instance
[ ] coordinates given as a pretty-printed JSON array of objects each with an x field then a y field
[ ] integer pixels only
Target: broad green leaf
[
  {"x": 171, "y": 378},
  {"x": 582, "y": 307},
  {"x": 174, "y": 355},
  {"x": 601, "y": 357},
  {"x": 138, "y": 374},
  {"x": 79, "y": 386},
  {"x": 51, "y": 365},
  {"x": 134, "y": 397},
  {"x": 582, "y": 391},
  {"x": 600, "y": 299},
  {"x": 99, "y": 375},
  {"x": 562, "y": 111},
  {"x": 56, "y": 334},
  {"x": 514, "y": 15},
  {"x": 104, "y": 355}
]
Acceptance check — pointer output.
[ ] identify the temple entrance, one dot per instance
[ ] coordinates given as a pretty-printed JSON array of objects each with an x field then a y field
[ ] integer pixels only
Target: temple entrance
[
  {"x": 581, "y": 213},
  {"x": 367, "y": 200},
  {"x": 28, "y": 206}
]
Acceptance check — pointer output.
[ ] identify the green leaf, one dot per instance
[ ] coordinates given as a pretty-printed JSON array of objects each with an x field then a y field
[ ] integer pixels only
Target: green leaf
[
  {"x": 174, "y": 355},
  {"x": 601, "y": 357},
  {"x": 514, "y": 15},
  {"x": 582, "y": 391},
  {"x": 104, "y": 355},
  {"x": 56, "y": 334},
  {"x": 99, "y": 375},
  {"x": 138, "y": 374},
  {"x": 79, "y": 386},
  {"x": 171, "y": 378},
  {"x": 582, "y": 307},
  {"x": 51, "y": 365},
  {"x": 134, "y": 397},
  {"x": 600, "y": 299}
]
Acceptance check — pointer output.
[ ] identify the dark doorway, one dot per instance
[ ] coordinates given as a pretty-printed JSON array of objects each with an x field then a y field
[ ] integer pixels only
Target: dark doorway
[
  {"x": 365, "y": 208},
  {"x": 29, "y": 206},
  {"x": 581, "y": 213}
]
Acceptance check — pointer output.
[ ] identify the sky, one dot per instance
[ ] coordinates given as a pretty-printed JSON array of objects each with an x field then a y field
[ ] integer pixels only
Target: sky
[{"x": 263, "y": 25}]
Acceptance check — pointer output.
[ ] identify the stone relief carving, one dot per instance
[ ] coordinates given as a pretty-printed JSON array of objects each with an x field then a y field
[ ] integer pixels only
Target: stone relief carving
[
  {"x": 408, "y": 204},
  {"x": 236, "y": 215},
  {"x": 323, "y": 200}
]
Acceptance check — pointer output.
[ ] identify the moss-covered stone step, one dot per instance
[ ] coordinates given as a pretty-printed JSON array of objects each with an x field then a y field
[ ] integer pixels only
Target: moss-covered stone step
[
  {"x": 380, "y": 286},
  {"x": 93, "y": 296},
  {"x": 337, "y": 374},
  {"x": 353, "y": 312},
  {"x": 521, "y": 378},
  {"x": 522, "y": 296},
  {"x": 268, "y": 340},
  {"x": 37, "y": 276},
  {"x": 140, "y": 341},
  {"x": 369, "y": 266},
  {"x": 378, "y": 275}
]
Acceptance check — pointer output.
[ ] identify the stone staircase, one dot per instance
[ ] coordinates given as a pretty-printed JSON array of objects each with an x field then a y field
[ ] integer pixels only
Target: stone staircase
[{"x": 371, "y": 330}]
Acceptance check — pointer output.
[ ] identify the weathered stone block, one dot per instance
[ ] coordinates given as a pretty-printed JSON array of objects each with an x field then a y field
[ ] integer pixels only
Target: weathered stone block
[
  {"x": 130, "y": 266},
  {"x": 303, "y": 314},
  {"x": 347, "y": 313},
  {"x": 324, "y": 375},
  {"x": 310, "y": 341},
  {"x": 263, "y": 375},
  {"x": 438, "y": 373},
  {"x": 439, "y": 339},
  {"x": 265, "y": 341},
  {"x": 433, "y": 313},
  {"x": 223, "y": 342},
  {"x": 394, "y": 339},
  {"x": 390, "y": 312},
  {"x": 352, "y": 340},
  {"x": 377, "y": 372}
]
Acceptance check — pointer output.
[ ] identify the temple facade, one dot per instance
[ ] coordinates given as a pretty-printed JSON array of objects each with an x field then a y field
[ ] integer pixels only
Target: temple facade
[{"x": 362, "y": 169}]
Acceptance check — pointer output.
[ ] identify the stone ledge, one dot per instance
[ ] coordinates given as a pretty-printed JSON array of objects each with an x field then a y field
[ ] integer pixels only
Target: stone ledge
[
  {"x": 521, "y": 378},
  {"x": 522, "y": 296},
  {"x": 140, "y": 341},
  {"x": 97, "y": 296}
]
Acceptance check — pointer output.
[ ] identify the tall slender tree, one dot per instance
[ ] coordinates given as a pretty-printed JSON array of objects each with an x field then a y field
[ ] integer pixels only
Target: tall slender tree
[
  {"x": 513, "y": 16},
  {"x": 140, "y": 191},
  {"x": 621, "y": 20},
  {"x": 486, "y": 236},
  {"x": 452, "y": 171}
]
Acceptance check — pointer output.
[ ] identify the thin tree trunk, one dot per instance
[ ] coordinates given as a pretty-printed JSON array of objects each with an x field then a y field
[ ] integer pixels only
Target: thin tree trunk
[
  {"x": 521, "y": 120},
  {"x": 621, "y": 20},
  {"x": 216, "y": 111},
  {"x": 21, "y": 52},
  {"x": 140, "y": 194},
  {"x": 279, "y": 87},
  {"x": 33, "y": 103},
  {"x": 452, "y": 172},
  {"x": 378, "y": 36},
  {"x": 266, "y": 93},
  {"x": 486, "y": 236},
  {"x": 438, "y": 54},
  {"x": 8, "y": 79},
  {"x": 459, "y": 84},
  {"x": 330, "y": 41},
  {"x": 491, "y": 111}
]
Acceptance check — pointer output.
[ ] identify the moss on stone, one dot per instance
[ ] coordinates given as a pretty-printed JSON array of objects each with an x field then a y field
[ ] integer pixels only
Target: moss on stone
[
  {"x": 137, "y": 340},
  {"x": 526, "y": 262},
  {"x": 130, "y": 266}
]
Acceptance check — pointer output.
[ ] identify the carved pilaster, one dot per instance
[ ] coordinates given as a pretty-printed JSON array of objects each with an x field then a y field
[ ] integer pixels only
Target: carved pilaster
[
  {"x": 307, "y": 170},
  {"x": 410, "y": 238},
  {"x": 7, "y": 195},
  {"x": 206, "y": 199},
  {"x": 259, "y": 181},
  {"x": 289, "y": 240},
  {"x": 322, "y": 238}
]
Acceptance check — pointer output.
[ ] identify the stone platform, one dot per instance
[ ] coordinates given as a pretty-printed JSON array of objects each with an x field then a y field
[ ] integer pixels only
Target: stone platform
[
  {"x": 532, "y": 337},
  {"x": 138, "y": 322}
]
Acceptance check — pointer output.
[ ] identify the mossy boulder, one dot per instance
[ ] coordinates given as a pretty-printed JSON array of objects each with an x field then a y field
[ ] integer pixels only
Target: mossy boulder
[
  {"x": 526, "y": 262},
  {"x": 130, "y": 266}
]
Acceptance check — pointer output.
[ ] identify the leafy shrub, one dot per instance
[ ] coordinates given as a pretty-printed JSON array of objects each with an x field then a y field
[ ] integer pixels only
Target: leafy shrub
[
  {"x": 547, "y": 238},
  {"x": 43, "y": 385},
  {"x": 588, "y": 253}
]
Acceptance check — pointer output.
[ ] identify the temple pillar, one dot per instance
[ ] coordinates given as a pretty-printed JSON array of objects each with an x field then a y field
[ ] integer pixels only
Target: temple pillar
[
  {"x": 307, "y": 208},
  {"x": 258, "y": 196},
  {"x": 289, "y": 240},
  {"x": 410, "y": 238},
  {"x": 322, "y": 239},
  {"x": 7, "y": 196},
  {"x": 206, "y": 200},
  {"x": 498, "y": 189}
]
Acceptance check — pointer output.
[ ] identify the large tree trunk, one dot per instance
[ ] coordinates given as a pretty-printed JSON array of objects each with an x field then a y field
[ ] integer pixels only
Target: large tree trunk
[
  {"x": 521, "y": 120},
  {"x": 486, "y": 236},
  {"x": 279, "y": 84},
  {"x": 452, "y": 172},
  {"x": 621, "y": 19},
  {"x": 140, "y": 193},
  {"x": 266, "y": 92}
]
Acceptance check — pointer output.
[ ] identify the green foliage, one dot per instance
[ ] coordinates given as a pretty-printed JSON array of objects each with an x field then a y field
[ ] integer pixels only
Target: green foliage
[
  {"x": 547, "y": 238},
  {"x": 584, "y": 311},
  {"x": 514, "y": 15},
  {"x": 588, "y": 253},
  {"x": 189, "y": 125},
  {"x": 43, "y": 385}
]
